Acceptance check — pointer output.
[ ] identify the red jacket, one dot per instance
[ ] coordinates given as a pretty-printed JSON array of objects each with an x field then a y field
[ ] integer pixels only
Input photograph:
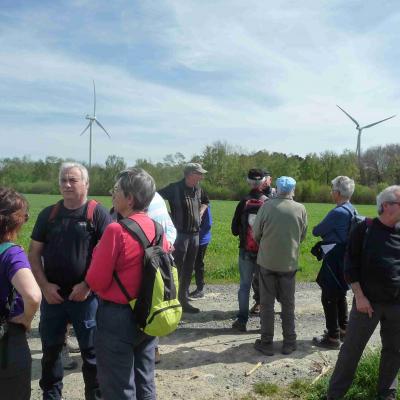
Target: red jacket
[{"x": 119, "y": 251}]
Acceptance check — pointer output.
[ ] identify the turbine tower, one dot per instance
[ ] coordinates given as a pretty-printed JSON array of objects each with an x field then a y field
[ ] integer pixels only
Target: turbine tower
[
  {"x": 359, "y": 129},
  {"x": 92, "y": 118}
]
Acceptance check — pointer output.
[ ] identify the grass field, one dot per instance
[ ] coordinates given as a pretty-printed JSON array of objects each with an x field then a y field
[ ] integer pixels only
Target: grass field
[{"x": 221, "y": 257}]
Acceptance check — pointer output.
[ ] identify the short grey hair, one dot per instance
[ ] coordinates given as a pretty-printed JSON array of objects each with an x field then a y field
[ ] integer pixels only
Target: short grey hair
[
  {"x": 69, "y": 165},
  {"x": 387, "y": 195},
  {"x": 139, "y": 184},
  {"x": 344, "y": 185}
]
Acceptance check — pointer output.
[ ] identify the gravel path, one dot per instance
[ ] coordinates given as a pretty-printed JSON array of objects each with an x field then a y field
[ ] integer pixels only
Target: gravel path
[{"x": 205, "y": 359}]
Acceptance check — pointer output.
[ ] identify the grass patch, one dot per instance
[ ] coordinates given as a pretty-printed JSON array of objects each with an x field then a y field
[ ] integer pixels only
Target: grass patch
[
  {"x": 266, "y": 389},
  {"x": 222, "y": 253}
]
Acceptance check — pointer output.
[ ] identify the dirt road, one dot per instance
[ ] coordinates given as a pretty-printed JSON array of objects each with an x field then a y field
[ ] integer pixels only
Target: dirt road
[{"x": 205, "y": 359}]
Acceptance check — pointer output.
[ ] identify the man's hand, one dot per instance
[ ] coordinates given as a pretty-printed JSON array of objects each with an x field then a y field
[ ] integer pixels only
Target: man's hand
[
  {"x": 80, "y": 292},
  {"x": 23, "y": 320},
  {"x": 50, "y": 293},
  {"x": 363, "y": 305}
]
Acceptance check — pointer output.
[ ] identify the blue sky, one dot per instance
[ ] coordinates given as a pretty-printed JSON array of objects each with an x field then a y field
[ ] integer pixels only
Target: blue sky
[{"x": 173, "y": 76}]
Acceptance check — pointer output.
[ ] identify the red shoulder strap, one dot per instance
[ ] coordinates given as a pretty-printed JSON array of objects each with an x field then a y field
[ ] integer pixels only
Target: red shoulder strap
[
  {"x": 54, "y": 211},
  {"x": 90, "y": 210}
]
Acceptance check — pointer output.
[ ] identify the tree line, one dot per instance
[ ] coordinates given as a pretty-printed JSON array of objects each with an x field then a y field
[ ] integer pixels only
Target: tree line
[{"x": 227, "y": 167}]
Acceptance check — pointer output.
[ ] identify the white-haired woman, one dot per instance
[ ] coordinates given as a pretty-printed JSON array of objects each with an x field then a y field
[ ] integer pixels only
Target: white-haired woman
[
  {"x": 125, "y": 355},
  {"x": 334, "y": 230}
]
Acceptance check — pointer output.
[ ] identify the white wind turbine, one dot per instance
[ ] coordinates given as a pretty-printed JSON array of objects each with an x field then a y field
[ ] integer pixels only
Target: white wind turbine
[
  {"x": 359, "y": 129},
  {"x": 92, "y": 118}
]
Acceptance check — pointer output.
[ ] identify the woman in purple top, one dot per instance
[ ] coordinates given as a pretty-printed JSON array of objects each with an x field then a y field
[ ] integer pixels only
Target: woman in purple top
[{"x": 19, "y": 300}]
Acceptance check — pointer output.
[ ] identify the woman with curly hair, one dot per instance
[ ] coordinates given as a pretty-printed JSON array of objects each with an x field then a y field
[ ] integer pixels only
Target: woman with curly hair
[{"x": 19, "y": 299}]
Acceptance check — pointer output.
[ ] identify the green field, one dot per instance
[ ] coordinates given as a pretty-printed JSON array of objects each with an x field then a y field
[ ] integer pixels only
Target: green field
[{"x": 221, "y": 257}]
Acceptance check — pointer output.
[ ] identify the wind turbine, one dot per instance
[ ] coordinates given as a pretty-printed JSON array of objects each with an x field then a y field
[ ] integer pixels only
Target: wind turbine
[
  {"x": 358, "y": 150},
  {"x": 92, "y": 118}
]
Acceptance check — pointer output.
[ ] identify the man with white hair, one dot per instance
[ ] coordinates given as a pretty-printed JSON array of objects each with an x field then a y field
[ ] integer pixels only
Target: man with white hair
[
  {"x": 60, "y": 251},
  {"x": 241, "y": 226},
  {"x": 372, "y": 267},
  {"x": 280, "y": 226}
]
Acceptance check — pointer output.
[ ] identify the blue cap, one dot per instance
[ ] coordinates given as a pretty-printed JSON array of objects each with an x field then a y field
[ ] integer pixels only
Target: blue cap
[{"x": 285, "y": 184}]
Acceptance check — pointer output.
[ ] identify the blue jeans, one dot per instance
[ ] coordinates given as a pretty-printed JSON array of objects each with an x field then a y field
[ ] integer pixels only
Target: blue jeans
[
  {"x": 125, "y": 355},
  {"x": 53, "y": 325},
  {"x": 247, "y": 268}
]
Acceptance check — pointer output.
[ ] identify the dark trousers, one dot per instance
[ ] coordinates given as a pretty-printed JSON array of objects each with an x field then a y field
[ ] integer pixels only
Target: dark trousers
[
  {"x": 185, "y": 253},
  {"x": 199, "y": 266},
  {"x": 359, "y": 330},
  {"x": 15, "y": 377},
  {"x": 256, "y": 286},
  {"x": 125, "y": 355},
  {"x": 275, "y": 285},
  {"x": 53, "y": 324},
  {"x": 336, "y": 313}
]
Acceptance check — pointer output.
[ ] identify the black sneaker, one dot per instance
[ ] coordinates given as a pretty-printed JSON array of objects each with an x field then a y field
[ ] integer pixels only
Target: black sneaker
[
  {"x": 326, "y": 342},
  {"x": 255, "y": 310},
  {"x": 239, "y": 326},
  {"x": 288, "y": 348},
  {"x": 267, "y": 348},
  {"x": 197, "y": 294},
  {"x": 187, "y": 308}
]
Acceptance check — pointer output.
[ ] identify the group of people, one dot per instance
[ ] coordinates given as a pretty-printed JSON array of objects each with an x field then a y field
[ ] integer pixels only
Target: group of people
[
  {"x": 83, "y": 266},
  {"x": 361, "y": 254}
]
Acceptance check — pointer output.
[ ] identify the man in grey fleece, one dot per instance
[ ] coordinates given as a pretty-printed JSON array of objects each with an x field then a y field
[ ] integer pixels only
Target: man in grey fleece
[{"x": 280, "y": 226}]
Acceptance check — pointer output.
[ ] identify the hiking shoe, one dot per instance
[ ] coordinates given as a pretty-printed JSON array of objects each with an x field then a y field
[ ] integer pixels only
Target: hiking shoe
[
  {"x": 288, "y": 348},
  {"x": 68, "y": 362},
  {"x": 157, "y": 356},
  {"x": 197, "y": 294},
  {"x": 187, "y": 308},
  {"x": 326, "y": 342},
  {"x": 239, "y": 326},
  {"x": 267, "y": 348},
  {"x": 255, "y": 310}
]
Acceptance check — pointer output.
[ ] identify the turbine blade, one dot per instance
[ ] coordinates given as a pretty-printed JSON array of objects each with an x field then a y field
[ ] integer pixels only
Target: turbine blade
[
  {"x": 376, "y": 123},
  {"x": 102, "y": 127},
  {"x": 86, "y": 128},
  {"x": 94, "y": 99},
  {"x": 357, "y": 124}
]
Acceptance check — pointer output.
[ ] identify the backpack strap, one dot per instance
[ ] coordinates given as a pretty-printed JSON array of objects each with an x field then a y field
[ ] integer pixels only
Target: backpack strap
[
  {"x": 54, "y": 211},
  {"x": 5, "y": 246},
  {"x": 91, "y": 206},
  {"x": 136, "y": 231}
]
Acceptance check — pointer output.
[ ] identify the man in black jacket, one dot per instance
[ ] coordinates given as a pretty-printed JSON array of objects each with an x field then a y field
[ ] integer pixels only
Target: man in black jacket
[
  {"x": 188, "y": 202},
  {"x": 245, "y": 211},
  {"x": 372, "y": 267}
]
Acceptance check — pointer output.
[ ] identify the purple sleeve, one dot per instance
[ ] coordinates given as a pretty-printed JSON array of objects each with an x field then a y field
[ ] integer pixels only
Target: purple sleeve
[{"x": 14, "y": 260}]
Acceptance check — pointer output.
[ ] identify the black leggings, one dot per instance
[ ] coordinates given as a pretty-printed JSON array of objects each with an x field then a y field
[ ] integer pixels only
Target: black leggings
[
  {"x": 336, "y": 313},
  {"x": 15, "y": 378}
]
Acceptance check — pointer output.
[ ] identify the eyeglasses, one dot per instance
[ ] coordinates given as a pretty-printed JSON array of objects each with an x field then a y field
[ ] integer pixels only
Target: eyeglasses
[
  {"x": 394, "y": 202},
  {"x": 115, "y": 189}
]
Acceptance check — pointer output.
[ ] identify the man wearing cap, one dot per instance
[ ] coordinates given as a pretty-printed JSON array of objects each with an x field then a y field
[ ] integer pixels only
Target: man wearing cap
[
  {"x": 187, "y": 202},
  {"x": 280, "y": 226},
  {"x": 244, "y": 216},
  {"x": 269, "y": 192}
]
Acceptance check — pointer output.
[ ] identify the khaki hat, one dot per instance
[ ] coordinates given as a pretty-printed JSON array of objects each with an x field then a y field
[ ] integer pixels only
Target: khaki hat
[{"x": 194, "y": 167}]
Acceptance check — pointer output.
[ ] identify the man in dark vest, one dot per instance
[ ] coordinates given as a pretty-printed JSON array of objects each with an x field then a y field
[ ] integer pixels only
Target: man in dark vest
[{"x": 187, "y": 202}]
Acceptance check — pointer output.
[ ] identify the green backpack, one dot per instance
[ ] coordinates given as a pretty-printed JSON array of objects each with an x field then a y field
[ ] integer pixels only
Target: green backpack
[{"x": 157, "y": 309}]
